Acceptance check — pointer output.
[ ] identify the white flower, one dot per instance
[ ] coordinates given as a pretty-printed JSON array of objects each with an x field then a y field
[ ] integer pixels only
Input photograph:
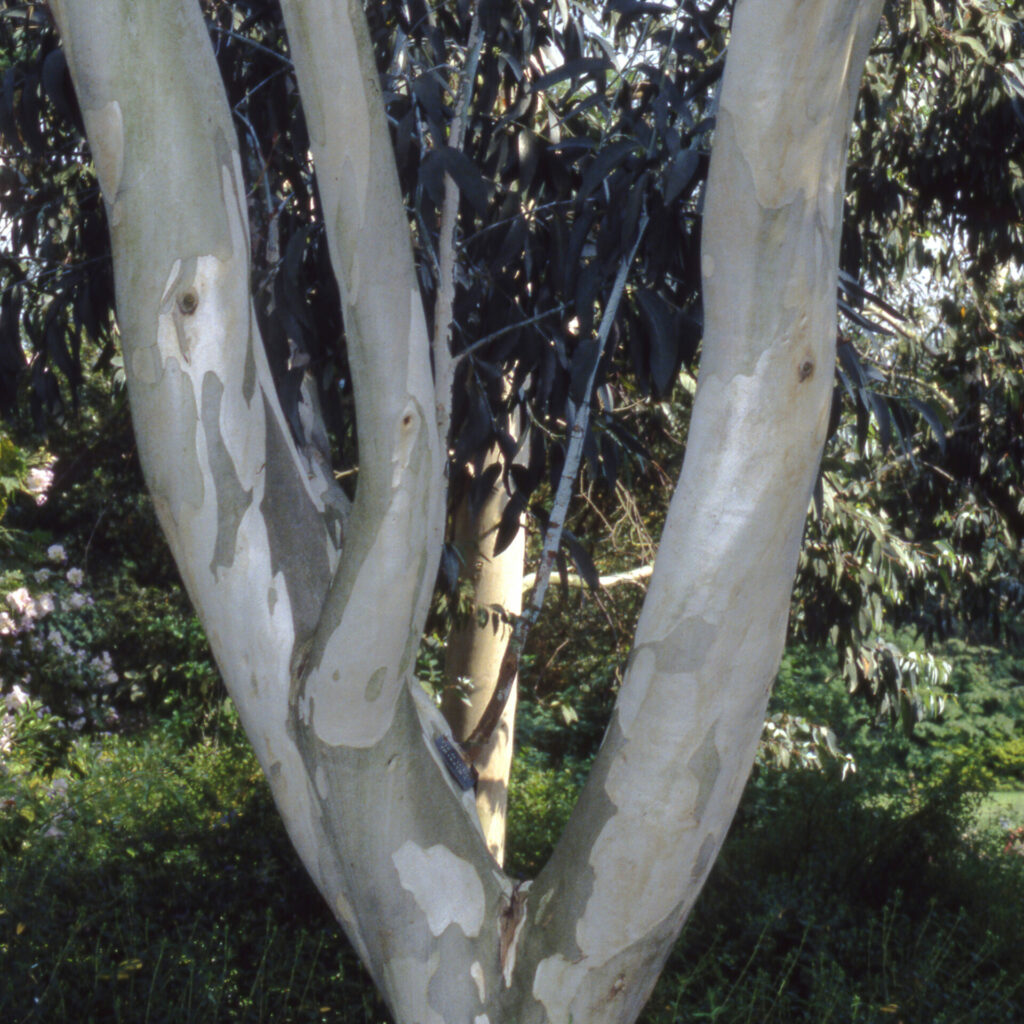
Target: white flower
[
  {"x": 41, "y": 606},
  {"x": 75, "y": 576},
  {"x": 77, "y": 601},
  {"x": 78, "y": 724},
  {"x": 53, "y": 833},
  {"x": 56, "y": 553},
  {"x": 39, "y": 482},
  {"x": 15, "y": 698},
  {"x": 110, "y": 678},
  {"x": 8, "y": 627},
  {"x": 19, "y": 600},
  {"x": 42, "y": 575},
  {"x": 58, "y": 642}
]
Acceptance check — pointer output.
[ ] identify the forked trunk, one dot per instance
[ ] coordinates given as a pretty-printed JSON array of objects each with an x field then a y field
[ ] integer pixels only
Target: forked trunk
[{"x": 314, "y": 609}]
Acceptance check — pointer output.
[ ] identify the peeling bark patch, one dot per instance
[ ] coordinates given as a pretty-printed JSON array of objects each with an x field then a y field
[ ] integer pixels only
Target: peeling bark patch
[
  {"x": 295, "y": 532},
  {"x": 446, "y": 888},
  {"x": 320, "y": 779},
  {"x": 555, "y": 982},
  {"x": 513, "y": 917},
  {"x": 180, "y": 281},
  {"x": 408, "y": 434},
  {"x": 232, "y": 499},
  {"x": 705, "y": 765}
]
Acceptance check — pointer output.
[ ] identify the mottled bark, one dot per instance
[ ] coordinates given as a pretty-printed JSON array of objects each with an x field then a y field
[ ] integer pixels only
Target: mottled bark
[
  {"x": 314, "y": 608},
  {"x": 682, "y": 738}
]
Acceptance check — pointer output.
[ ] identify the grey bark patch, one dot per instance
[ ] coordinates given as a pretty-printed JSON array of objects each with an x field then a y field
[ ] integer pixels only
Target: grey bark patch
[
  {"x": 705, "y": 857},
  {"x": 376, "y": 683},
  {"x": 685, "y": 649},
  {"x": 706, "y": 765},
  {"x": 454, "y": 992},
  {"x": 380, "y": 798},
  {"x": 295, "y": 531},
  {"x": 232, "y": 498},
  {"x": 249, "y": 371}
]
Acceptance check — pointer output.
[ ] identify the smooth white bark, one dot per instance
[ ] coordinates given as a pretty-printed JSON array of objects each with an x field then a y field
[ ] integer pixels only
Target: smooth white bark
[{"x": 683, "y": 735}]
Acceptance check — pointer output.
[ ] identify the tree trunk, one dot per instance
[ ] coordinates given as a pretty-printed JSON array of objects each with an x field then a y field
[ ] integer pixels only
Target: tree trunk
[
  {"x": 314, "y": 608},
  {"x": 475, "y": 650}
]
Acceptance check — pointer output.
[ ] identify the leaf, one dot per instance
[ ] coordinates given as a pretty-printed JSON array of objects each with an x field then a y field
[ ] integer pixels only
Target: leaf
[
  {"x": 862, "y": 321},
  {"x": 584, "y": 361},
  {"x": 583, "y": 66},
  {"x": 854, "y": 288},
  {"x": 509, "y": 524},
  {"x": 851, "y": 363},
  {"x": 431, "y": 176},
  {"x": 472, "y": 184},
  {"x": 604, "y": 163},
  {"x": 882, "y": 418},
  {"x": 563, "y": 573},
  {"x": 680, "y": 174},
  {"x": 451, "y": 563},
  {"x": 582, "y": 560},
  {"x": 481, "y": 487},
  {"x": 933, "y": 419},
  {"x": 57, "y": 85},
  {"x": 659, "y": 320}
]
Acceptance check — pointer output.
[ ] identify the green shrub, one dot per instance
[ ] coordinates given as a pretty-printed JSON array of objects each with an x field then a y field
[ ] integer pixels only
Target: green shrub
[{"x": 155, "y": 884}]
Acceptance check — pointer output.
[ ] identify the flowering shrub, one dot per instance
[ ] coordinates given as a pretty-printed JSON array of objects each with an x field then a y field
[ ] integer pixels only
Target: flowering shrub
[
  {"x": 45, "y": 648},
  {"x": 50, "y": 670}
]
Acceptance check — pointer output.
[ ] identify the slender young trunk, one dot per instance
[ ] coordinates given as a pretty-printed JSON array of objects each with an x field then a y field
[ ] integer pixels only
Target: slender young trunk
[{"x": 475, "y": 651}]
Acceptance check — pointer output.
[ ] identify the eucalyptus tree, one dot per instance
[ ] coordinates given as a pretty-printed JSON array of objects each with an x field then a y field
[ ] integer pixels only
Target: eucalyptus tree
[{"x": 314, "y": 603}]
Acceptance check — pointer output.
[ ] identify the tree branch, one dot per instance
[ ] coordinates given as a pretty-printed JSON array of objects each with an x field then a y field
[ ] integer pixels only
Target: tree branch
[{"x": 444, "y": 367}]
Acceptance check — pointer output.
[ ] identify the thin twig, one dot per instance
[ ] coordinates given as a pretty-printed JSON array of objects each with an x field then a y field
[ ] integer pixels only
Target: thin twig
[
  {"x": 444, "y": 367},
  {"x": 508, "y": 329}
]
